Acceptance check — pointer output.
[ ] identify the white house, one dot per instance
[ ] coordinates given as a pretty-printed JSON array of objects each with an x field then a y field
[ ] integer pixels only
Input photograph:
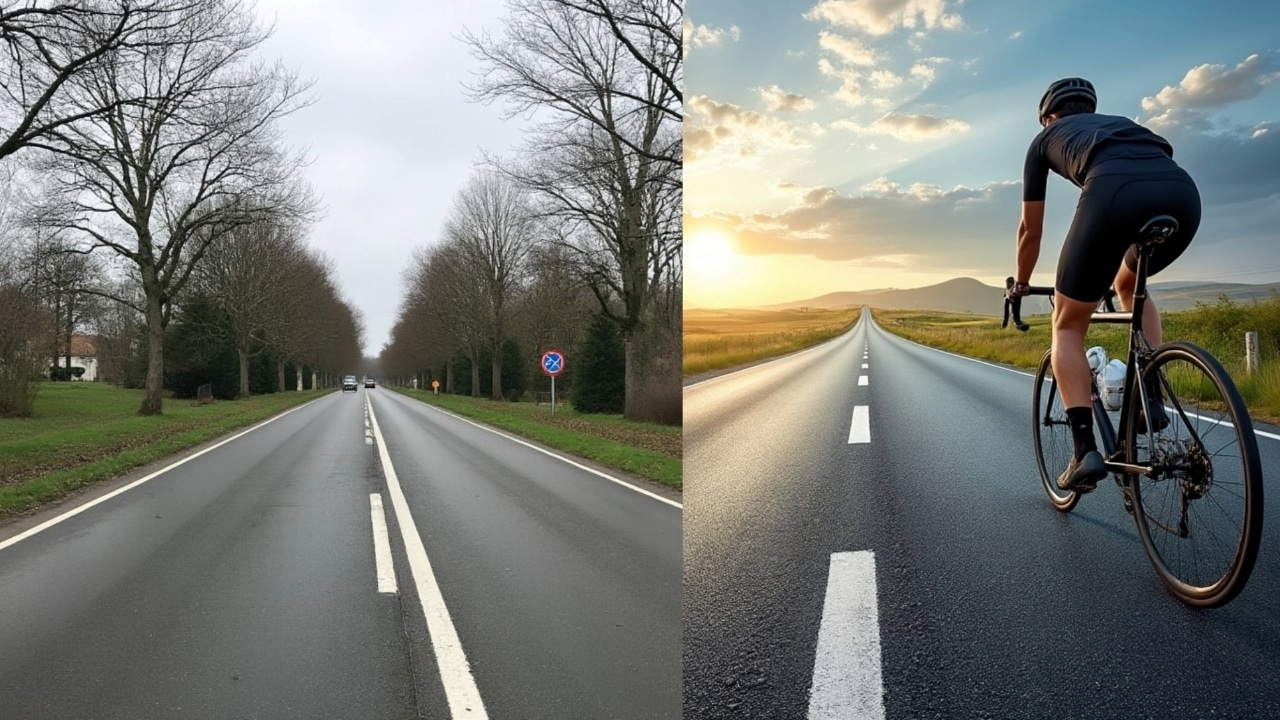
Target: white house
[{"x": 84, "y": 354}]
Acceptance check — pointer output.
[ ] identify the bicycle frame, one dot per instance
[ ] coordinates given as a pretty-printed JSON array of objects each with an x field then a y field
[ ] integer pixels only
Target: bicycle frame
[{"x": 1139, "y": 350}]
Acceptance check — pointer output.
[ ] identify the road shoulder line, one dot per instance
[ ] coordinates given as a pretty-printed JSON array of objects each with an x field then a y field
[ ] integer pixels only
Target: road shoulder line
[{"x": 455, "y": 672}]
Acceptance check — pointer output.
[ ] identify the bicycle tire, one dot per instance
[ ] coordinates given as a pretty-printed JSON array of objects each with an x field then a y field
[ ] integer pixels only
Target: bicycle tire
[
  {"x": 1199, "y": 511},
  {"x": 1052, "y": 436}
]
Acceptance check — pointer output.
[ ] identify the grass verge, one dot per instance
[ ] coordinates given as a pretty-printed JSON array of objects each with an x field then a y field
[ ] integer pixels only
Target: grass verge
[
  {"x": 717, "y": 339},
  {"x": 83, "y": 433},
  {"x": 647, "y": 450},
  {"x": 982, "y": 337}
]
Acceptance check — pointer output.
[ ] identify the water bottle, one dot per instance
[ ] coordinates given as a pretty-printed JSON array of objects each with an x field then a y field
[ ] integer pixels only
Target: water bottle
[{"x": 1111, "y": 385}]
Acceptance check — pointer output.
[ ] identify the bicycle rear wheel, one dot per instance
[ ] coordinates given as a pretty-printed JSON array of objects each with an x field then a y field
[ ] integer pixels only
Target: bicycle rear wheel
[
  {"x": 1052, "y": 433},
  {"x": 1200, "y": 515}
]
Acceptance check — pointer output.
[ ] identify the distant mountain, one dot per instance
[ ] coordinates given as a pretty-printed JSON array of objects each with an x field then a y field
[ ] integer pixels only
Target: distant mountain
[{"x": 966, "y": 295}]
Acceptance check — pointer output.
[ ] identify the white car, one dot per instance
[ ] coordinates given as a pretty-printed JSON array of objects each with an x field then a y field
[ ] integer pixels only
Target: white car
[{"x": 349, "y": 383}]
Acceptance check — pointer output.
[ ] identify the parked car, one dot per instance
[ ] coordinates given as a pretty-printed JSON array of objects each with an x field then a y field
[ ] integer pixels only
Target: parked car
[
  {"x": 368, "y": 382},
  {"x": 349, "y": 383}
]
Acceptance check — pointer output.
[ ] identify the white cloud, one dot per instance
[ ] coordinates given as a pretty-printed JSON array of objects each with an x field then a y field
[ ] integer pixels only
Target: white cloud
[
  {"x": 849, "y": 50},
  {"x": 1015, "y": 35},
  {"x": 905, "y": 126},
  {"x": 881, "y": 17},
  {"x": 1208, "y": 87},
  {"x": 728, "y": 132},
  {"x": 779, "y": 100},
  {"x": 706, "y": 35},
  {"x": 883, "y": 79},
  {"x": 850, "y": 91}
]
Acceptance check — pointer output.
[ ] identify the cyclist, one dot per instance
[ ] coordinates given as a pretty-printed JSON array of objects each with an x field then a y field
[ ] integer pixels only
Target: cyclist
[{"x": 1127, "y": 175}]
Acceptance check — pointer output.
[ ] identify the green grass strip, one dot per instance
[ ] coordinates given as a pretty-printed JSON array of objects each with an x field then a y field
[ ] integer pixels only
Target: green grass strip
[
  {"x": 611, "y": 441},
  {"x": 97, "y": 435}
]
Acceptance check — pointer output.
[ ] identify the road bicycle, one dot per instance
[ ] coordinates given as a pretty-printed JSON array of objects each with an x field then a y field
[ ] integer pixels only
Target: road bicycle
[{"x": 1191, "y": 478}]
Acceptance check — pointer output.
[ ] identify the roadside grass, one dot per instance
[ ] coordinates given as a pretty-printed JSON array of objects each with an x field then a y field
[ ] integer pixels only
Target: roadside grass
[
  {"x": 83, "y": 433},
  {"x": 1218, "y": 328},
  {"x": 648, "y": 450},
  {"x": 716, "y": 339}
]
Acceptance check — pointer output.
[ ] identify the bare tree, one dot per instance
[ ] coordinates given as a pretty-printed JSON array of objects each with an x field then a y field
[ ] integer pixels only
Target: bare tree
[
  {"x": 63, "y": 280},
  {"x": 491, "y": 224},
  {"x": 188, "y": 153},
  {"x": 22, "y": 323},
  {"x": 249, "y": 276},
  {"x": 46, "y": 45},
  {"x": 607, "y": 158}
]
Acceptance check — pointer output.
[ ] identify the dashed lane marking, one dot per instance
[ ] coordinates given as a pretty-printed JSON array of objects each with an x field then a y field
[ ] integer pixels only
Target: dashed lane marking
[
  {"x": 860, "y": 430},
  {"x": 386, "y": 569},
  {"x": 848, "y": 682},
  {"x": 862, "y": 380}
]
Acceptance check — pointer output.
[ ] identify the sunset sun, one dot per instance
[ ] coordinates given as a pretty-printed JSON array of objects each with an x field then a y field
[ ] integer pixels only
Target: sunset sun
[{"x": 710, "y": 258}]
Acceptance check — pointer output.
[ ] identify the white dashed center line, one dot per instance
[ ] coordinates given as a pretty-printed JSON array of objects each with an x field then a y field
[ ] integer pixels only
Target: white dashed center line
[
  {"x": 860, "y": 430},
  {"x": 848, "y": 682},
  {"x": 862, "y": 380}
]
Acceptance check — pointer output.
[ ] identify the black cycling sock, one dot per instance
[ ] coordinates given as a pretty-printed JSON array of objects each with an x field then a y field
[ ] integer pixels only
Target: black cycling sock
[{"x": 1081, "y": 420}]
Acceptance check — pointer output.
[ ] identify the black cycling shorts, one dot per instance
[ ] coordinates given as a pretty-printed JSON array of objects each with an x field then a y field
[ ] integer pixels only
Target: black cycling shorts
[{"x": 1119, "y": 197}]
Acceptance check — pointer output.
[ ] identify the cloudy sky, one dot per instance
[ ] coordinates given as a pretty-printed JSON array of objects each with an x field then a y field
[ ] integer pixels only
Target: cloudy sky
[
  {"x": 391, "y": 132},
  {"x": 858, "y": 144}
]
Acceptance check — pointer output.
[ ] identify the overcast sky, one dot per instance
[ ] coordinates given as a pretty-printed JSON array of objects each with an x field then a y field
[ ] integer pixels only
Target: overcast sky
[
  {"x": 859, "y": 144},
  {"x": 391, "y": 132}
]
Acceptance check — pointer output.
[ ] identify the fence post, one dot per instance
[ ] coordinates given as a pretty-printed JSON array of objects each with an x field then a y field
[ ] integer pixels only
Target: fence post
[{"x": 1251, "y": 352}]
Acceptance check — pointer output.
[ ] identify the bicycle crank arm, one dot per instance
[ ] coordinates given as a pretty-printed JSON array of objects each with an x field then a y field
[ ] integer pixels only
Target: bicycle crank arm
[{"x": 1127, "y": 469}]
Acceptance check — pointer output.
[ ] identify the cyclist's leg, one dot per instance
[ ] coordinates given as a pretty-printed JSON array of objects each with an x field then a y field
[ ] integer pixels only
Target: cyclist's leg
[
  {"x": 1070, "y": 368},
  {"x": 1126, "y": 283}
]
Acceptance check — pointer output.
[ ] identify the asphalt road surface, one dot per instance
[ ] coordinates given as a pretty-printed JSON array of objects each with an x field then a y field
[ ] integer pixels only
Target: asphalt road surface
[
  {"x": 252, "y": 581},
  {"x": 867, "y": 537}
]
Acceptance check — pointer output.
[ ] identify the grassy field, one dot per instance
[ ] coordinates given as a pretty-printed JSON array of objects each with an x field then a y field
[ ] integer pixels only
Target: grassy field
[
  {"x": 1218, "y": 328},
  {"x": 716, "y": 339},
  {"x": 650, "y": 451},
  {"x": 83, "y": 433}
]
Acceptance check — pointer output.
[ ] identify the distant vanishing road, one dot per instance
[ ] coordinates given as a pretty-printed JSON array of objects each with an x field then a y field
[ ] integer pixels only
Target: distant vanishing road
[
  {"x": 254, "y": 581},
  {"x": 866, "y": 537}
]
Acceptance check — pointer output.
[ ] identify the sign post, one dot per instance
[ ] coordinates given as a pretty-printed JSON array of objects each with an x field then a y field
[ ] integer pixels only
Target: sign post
[{"x": 553, "y": 365}]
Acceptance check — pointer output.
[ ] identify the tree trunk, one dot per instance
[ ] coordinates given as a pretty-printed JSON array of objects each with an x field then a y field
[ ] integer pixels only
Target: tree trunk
[
  {"x": 314, "y": 380},
  {"x": 475, "y": 374},
  {"x": 153, "y": 397},
  {"x": 495, "y": 391},
  {"x": 448, "y": 377},
  {"x": 280, "y": 376},
  {"x": 244, "y": 372},
  {"x": 70, "y": 327}
]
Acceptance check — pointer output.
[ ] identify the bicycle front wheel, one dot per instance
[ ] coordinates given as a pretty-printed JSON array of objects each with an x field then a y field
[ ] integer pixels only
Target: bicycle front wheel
[
  {"x": 1199, "y": 509},
  {"x": 1052, "y": 434}
]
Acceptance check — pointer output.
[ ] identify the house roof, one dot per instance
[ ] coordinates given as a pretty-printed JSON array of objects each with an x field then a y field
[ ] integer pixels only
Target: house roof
[{"x": 83, "y": 346}]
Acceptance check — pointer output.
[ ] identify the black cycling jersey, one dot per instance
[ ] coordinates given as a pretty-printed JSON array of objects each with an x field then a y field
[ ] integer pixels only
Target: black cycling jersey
[{"x": 1072, "y": 146}]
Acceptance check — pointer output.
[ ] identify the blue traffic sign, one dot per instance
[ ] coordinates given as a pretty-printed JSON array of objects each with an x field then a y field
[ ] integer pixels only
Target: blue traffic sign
[{"x": 553, "y": 362}]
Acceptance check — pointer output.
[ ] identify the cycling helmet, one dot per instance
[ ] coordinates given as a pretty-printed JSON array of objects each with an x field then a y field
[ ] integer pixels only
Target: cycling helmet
[{"x": 1067, "y": 89}]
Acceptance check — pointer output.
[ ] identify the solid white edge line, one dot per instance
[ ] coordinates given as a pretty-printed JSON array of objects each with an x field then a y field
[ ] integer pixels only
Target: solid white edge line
[
  {"x": 860, "y": 427},
  {"x": 455, "y": 673},
  {"x": 386, "y": 569},
  {"x": 562, "y": 458},
  {"x": 121, "y": 490},
  {"x": 848, "y": 680},
  {"x": 1263, "y": 433}
]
